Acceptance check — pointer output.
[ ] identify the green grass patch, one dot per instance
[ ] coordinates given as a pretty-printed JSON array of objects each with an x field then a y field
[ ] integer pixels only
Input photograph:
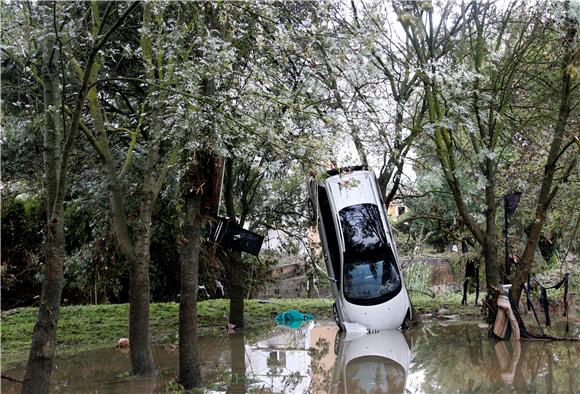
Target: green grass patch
[
  {"x": 451, "y": 301},
  {"x": 85, "y": 327}
]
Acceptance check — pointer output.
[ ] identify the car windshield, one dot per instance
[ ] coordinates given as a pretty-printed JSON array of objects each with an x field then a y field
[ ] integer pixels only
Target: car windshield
[
  {"x": 370, "y": 270},
  {"x": 370, "y": 282}
]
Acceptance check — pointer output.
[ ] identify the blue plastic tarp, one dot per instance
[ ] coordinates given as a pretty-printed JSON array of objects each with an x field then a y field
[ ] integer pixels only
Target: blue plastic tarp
[{"x": 293, "y": 319}]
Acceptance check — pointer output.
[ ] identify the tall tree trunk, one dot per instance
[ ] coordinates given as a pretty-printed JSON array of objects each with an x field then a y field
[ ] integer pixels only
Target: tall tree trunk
[
  {"x": 58, "y": 145},
  {"x": 139, "y": 333},
  {"x": 134, "y": 248},
  {"x": 189, "y": 371},
  {"x": 136, "y": 251},
  {"x": 237, "y": 288},
  {"x": 490, "y": 243},
  {"x": 547, "y": 192},
  {"x": 42, "y": 350},
  {"x": 235, "y": 269}
]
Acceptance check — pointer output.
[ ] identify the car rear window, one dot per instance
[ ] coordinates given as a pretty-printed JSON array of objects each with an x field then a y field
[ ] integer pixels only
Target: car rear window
[{"x": 364, "y": 235}]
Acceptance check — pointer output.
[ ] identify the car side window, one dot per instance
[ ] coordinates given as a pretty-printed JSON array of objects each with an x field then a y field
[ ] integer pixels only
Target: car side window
[{"x": 329, "y": 230}]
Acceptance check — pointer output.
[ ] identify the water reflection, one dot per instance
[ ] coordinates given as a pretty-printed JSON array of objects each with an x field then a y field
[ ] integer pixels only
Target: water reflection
[
  {"x": 100, "y": 371},
  {"x": 282, "y": 363},
  {"x": 371, "y": 363},
  {"x": 238, "y": 363},
  {"x": 460, "y": 357},
  {"x": 433, "y": 358},
  {"x": 508, "y": 357}
]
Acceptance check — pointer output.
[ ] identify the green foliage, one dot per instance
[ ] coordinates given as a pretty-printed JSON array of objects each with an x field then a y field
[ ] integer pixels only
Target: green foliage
[
  {"x": 95, "y": 272},
  {"x": 417, "y": 276},
  {"x": 172, "y": 387},
  {"x": 291, "y": 85},
  {"x": 257, "y": 272},
  {"x": 22, "y": 149},
  {"x": 22, "y": 234}
]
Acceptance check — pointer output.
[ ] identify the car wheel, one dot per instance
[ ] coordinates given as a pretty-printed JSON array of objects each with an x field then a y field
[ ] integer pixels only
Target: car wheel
[
  {"x": 407, "y": 321},
  {"x": 335, "y": 315}
]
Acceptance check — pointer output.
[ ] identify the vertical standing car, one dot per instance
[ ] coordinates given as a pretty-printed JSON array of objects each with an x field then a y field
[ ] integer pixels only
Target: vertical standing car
[{"x": 360, "y": 253}]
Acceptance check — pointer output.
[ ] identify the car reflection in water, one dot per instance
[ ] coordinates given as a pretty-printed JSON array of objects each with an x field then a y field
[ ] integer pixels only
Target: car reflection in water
[{"x": 371, "y": 363}]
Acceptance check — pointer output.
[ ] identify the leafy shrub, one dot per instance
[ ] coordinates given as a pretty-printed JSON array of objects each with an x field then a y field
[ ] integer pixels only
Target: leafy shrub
[
  {"x": 417, "y": 276},
  {"x": 22, "y": 225}
]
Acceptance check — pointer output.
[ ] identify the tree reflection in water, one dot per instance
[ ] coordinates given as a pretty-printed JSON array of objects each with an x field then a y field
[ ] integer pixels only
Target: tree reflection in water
[
  {"x": 455, "y": 358},
  {"x": 462, "y": 358},
  {"x": 238, "y": 360}
]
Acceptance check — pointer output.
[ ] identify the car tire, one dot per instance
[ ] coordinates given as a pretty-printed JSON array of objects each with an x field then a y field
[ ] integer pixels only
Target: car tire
[{"x": 335, "y": 315}]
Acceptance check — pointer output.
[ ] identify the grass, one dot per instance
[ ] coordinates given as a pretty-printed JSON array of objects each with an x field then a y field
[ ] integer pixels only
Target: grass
[
  {"x": 85, "y": 327},
  {"x": 450, "y": 301}
]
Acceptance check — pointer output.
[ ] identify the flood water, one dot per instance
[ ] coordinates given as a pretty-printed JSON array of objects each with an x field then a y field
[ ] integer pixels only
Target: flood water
[{"x": 436, "y": 357}]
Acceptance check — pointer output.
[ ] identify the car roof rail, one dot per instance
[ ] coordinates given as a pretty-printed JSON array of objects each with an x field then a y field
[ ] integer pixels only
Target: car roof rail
[{"x": 336, "y": 171}]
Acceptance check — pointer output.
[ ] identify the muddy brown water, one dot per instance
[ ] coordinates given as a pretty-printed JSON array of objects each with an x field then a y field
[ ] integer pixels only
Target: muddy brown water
[{"x": 436, "y": 357}]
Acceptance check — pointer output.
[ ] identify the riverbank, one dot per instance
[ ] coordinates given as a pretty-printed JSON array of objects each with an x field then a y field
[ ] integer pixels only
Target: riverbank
[{"x": 85, "y": 327}]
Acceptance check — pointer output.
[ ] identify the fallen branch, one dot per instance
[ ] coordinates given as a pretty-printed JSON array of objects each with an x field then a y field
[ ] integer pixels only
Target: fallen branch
[{"x": 11, "y": 379}]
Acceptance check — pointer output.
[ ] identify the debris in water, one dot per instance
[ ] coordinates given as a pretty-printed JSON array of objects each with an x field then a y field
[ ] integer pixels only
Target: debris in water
[{"x": 293, "y": 319}]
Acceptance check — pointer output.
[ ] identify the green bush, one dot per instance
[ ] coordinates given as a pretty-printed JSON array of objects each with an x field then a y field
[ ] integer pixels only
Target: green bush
[{"x": 22, "y": 227}]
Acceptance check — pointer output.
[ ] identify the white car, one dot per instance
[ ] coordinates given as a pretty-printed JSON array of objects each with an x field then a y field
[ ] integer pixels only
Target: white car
[{"x": 360, "y": 253}]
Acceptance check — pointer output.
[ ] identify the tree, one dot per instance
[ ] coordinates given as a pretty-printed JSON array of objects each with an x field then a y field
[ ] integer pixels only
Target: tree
[
  {"x": 470, "y": 92},
  {"x": 556, "y": 152},
  {"x": 259, "y": 113},
  {"x": 135, "y": 248},
  {"x": 196, "y": 184},
  {"x": 432, "y": 44},
  {"x": 58, "y": 145},
  {"x": 371, "y": 85},
  {"x": 43, "y": 345}
]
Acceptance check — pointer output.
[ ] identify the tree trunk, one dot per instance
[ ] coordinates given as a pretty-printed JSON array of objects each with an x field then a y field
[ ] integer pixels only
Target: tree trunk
[
  {"x": 135, "y": 248},
  {"x": 235, "y": 268},
  {"x": 42, "y": 349},
  {"x": 490, "y": 243},
  {"x": 237, "y": 288},
  {"x": 139, "y": 334},
  {"x": 58, "y": 146},
  {"x": 137, "y": 254},
  {"x": 547, "y": 193},
  {"x": 189, "y": 371}
]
